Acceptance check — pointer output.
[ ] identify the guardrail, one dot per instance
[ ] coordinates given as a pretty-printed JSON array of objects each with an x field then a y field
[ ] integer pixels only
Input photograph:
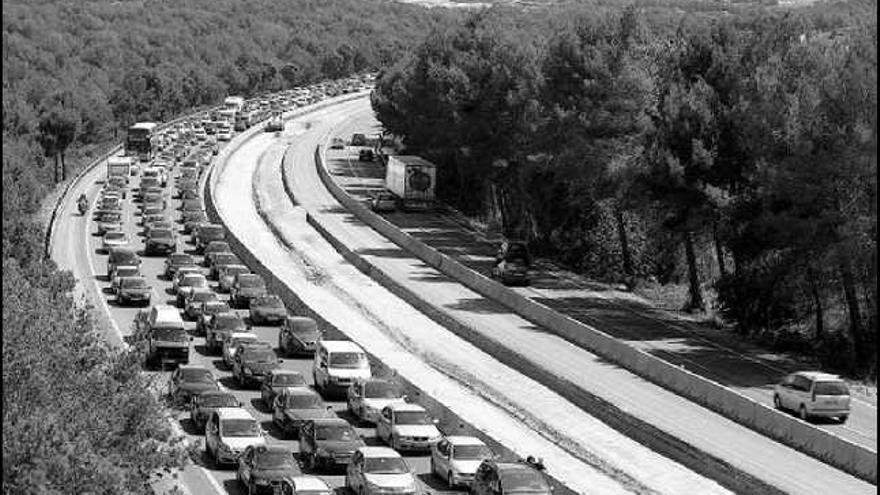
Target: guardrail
[{"x": 820, "y": 444}]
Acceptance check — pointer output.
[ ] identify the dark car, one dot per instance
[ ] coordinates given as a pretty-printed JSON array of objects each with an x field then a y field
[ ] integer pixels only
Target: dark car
[
  {"x": 176, "y": 260},
  {"x": 202, "y": 405},
  {"x": 215, "y": 247},
  {"x": 160, "y": 241},
  {"x": 511, "y": 272},
  {"x": 108, "y": 221},
  {"x": 121, "y": 256},
  {"x": 226, "y": 276},
  {"x": 189, "y": 194},
  {"x": 215, "y": 260},
  {"x": 298, "y": 335},
  {"x": 327, "y": 443},
  {"x": 366, "y": 155},
  {"x": 192, "y": 219},
  {"x": 295, "y": 406},
  {"x": 267, "y": 310},
  {"x": 209, "y": 309},
  {"x": 263, "y": 467},
  {"x": 251, "y": 364},
  {"x": 495, "y": 477},
  {"x": 246, "y": 287},
  {"x": 220, "y": 326},
  {"x": 157, "y": 224},
  {"x": 133, "y": 290},
  {"x": 192, "y": 306},
  {"x": 358, "y": 139},
  {"x": 278, "y": 381},
  {"x": 192, "y": 205},
  {"x": 514, "y": 250},
  {"x": 188, "y": 380},
  {"x": 207, "y": 233}
]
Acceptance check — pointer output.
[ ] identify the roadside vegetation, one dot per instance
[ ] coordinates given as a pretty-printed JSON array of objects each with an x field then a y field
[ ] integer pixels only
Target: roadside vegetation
[
  {"x": 78, "y": 416},
  {"x": 731, "y": 153}
]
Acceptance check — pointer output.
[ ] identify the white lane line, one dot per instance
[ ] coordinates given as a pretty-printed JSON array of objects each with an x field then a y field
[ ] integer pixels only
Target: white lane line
[{"x": 212, "y": 480}]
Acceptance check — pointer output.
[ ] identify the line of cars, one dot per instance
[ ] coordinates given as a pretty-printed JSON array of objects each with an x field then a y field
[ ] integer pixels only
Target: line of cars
[{"x": 232, "y": 434}]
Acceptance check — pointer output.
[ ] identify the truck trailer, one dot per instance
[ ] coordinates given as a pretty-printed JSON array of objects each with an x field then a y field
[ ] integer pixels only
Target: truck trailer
[
  {"x": 120, "y": 166},
  {"x": 411, "y": 179}
]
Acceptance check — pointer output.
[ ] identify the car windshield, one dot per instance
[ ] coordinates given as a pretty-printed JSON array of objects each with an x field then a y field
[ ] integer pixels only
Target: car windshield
[
  {"x": 204, "y": 296},
  {"x": 382, "y": 390},
  {"x": 236, "y": 341},
  {"x": 301, "y": 401},
  {"x": 209, "y": 230},
  {"x": 215, "y": 307},
  {"x": 181, "y": 259},
  {"x": 348, "y": 360},
  {"x": 234, "y": 270},
  {"x": 303, "y": 328},
  {"x": 385, "y": 465},
  {"x": 523, "y": 481},
  {"x": 412, "y": 418},
  {"x": 134, "y": 283},
  {"x": 225, "y": 259},
  {"x": 114, "y": 236},
  {"x": 335, "y": 433},
  {"x": 831, "y": 388},
  {"x": 126, "y": 271},
  {"x": 240, "y": 428},
  {"x": 111, "y": 217},
  {"x": 228, "y": 321},
  {"x": 196, "y": 375},
  {"x": 218, "y": 400},
  {"x": 289, "y": 380},
  {"x": 273, "y": 459},
  {"x": 164, "y": 233},
  {"x": 123, "y": 258},
  {"x": 194, "y": 281},
  {"x": 170, "y": 334},
  {"x": 268, "y": 302},
  {"x": 262, "y": 356},
  {"x": 471, "y": 452}
]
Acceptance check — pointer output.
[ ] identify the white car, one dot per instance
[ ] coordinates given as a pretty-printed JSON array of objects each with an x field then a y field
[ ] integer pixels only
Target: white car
[
  {"x": 302, "y": 485},
  {"x": 233, "y": 341},
  {"x": 113, "y": 238},
  {"x": 379, "y": 470},
  {"x": 813, "y": 394},
  {"x": 456, "y": 459},
  {"x": 407, "y": 427},
  {"x": 229, "y": 431},
  {"x": 366, "y": 398}
]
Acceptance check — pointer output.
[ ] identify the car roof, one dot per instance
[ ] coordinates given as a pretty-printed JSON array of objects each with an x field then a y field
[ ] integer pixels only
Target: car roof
[
  {"x": 299, "y": 391},
  {"x": 234, "y": 413},
  {"x": 184, "y": 367},
  {"x": 329, "y": 421},
  {"x": 819, "y": 375},
  {"x": 341, "y": 346},
  {"x": 464, "y": 440},
  {"x": 239, "y": 335},
  {"x": 405, "y": 406},
  {"x": 309, "y": 483},
  {"x": 512, "y": 467},
  {"x": 378, "y": 452}
]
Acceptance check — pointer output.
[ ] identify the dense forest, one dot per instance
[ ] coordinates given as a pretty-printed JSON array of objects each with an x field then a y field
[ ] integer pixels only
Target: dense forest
[
  {"x": 731, "y": 153},
  {"x": 78, "y": 416}
]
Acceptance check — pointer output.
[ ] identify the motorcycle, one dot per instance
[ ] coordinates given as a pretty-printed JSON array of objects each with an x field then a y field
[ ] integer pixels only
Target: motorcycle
[{"x": 83, "y": 206}]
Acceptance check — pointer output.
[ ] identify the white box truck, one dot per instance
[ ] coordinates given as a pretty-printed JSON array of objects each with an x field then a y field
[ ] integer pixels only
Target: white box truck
[
  {"x": 411, "y": 179},
  {"x": 120, "y": 166}
]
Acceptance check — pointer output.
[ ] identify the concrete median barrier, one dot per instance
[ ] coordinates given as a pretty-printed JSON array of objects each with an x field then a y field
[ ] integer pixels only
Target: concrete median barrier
[{"x": 823, "y": 445}]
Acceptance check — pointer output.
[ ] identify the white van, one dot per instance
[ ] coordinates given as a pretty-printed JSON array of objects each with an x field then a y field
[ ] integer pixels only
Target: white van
[
  {"x": 165, "y": 316},
  {"x": 338, "y": 364}
]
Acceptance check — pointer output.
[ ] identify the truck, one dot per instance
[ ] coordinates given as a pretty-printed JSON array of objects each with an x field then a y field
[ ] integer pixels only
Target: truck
[
  {"x": 120, "y": 166},
  {"x": 411, "y": 180},
  {"x": 167, "y": 340}
]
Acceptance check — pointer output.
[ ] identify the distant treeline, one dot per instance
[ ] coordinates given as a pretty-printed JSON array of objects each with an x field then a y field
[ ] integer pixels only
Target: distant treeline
[
  {"x": 731, "y": 152},
  {"x": 78, "y": 416}
]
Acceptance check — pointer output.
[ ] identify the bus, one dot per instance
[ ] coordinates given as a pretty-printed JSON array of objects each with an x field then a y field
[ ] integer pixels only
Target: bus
[{"x": 141, "y": 141}]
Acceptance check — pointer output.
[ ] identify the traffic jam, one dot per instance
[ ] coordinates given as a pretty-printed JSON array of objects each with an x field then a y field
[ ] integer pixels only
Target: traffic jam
[{"x": 276, "y": 404}]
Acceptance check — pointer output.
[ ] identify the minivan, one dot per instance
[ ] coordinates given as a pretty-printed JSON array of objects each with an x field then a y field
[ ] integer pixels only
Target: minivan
[
  {"x": 813, "y": 394},
  {"x": 338, "y": 363}
]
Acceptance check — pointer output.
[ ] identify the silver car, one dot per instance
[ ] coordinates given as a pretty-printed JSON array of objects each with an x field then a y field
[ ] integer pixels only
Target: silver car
[{"x": 813, "y": 394}]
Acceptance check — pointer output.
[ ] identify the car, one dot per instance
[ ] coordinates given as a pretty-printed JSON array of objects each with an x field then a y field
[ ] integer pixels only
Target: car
[
  {"x": 813, "y": 394},
  {"x": 192, "y": 219},
  {"x": 229, "y": 431},
  {"x": 192, "y": 305},
  {"x": 337, "y": 364},
  {"x": 133, "y": 290},
  {"x": 246, "y": 287},
  {"x": 154, "y": 199},
  {"x": 294, "y": 406},
  {"x": 455, "y": 459},
  {"x": 514, "y": 249},
  {"x": 366, "y": 155},
  {"x": 251, "y": 363},
  {"x": 188, "y": 194},
  {"x": 209, "y": 309},
  {"x": 358, "y": 139},
  {"x": 511, "y": 272},
  {"x": 220, "y": 326},
  {"x": 185, "y": 283},
  {"x": 113, "y": 238},
  {"x": 189, "y": 380},
  {"x": 226, "y": 276},
  {"x": 121, "y": 272},
  {"x": 267, "y": 309},
  {"x": 298, "y": 335},
  {"x": 235, "y": 339},
  {"x": 108, "y": 221},
  {"x": 278, "y": 381},
  {"x": 153, "y": 218},
  {"x": 121, "y": 256},
  {"x": 327, "y": 443},
  {"x": 494, "y": 477},
  {"x": 407, "y": 427},
  {"x": 384, "y": 201},
  {"x": 365, "y": 399},
  {"x": 202, "y": 405},
  {"x": 214, "y": 246},
  {"x": 192, "y": 205},
  {"x": 261, "y": 467},
  {"x": 379, "y": 470},
  {"x": 215, "y": 260},
  {"x": 175, "y": 261},
  {"x": 337, "y": 144},
  {"x": 160, "y": 241},
  {"x": 305, "y": 485},
  {"x": 110, "y": 203},
  {"x": 157, "y": 224},
  {"x": 116, "y": 185}
]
